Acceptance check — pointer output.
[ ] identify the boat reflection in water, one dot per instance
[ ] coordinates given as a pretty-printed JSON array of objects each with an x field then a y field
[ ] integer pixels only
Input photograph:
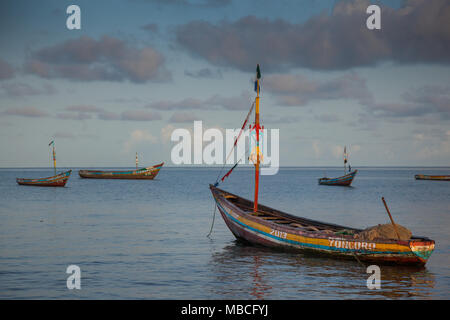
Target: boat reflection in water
[
  {"x": 244, "y": 271},
  {"x": 259, "y": 287}
]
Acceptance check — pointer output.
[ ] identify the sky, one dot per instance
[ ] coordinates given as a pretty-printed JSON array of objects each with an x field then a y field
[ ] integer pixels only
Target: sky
[{"x": 139, "y": 69}]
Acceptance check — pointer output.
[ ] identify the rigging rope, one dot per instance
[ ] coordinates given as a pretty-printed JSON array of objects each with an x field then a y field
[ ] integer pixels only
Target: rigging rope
[
  {"x": 242, "y": 129},
  {"x": 214, "y": 218},
  {"x": 228, "y": 173},
  {"x": 234, "y": 145}
]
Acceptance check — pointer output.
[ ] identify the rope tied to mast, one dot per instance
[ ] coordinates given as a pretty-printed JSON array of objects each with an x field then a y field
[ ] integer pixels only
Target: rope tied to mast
[
  {"x": 231, "y": 170},
  {"x": 232, "y": 149}
]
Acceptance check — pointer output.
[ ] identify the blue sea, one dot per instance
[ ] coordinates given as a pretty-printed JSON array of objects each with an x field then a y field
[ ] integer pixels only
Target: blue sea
[{"x": 148, "y": 239}]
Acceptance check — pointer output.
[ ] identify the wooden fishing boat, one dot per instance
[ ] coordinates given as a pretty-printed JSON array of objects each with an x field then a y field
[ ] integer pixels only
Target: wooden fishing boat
[
  {"x": 59, "y": 180},
  {"x": 427, "y": 177},
  {"x": 261, "y": 225},
  {"x": 273, "y": 228},
  {"x": 147, "y": 173},
  {"x": 345, "y": 180}
]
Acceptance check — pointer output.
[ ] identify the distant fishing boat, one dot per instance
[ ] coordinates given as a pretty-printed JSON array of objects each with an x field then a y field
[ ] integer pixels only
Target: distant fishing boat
[
  {"x": 58, "y": 180},
  {"x": 261, "y": 225},
  {"x": 427, "y": 177},
  {"x": 147, "y": 173},
  {"x": 345, "y": 180}
]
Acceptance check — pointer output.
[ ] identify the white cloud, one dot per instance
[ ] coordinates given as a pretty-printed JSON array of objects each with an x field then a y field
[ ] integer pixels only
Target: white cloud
[
  {"x": 337, "y": 151},
  {"x": 315, "y": 146},
  {"x": 166, "y": 132},
  {"x": 139, "y": 136}
]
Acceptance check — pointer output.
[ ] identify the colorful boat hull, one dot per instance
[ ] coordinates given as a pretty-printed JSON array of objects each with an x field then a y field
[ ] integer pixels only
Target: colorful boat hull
[
  {"x": 427, "y": 177},
  {"x": 147, "y": 173},
  {"x": 264, "y": 229},
  {"x": 59, "y": 180},
  {"x": 340, "y": 181}
]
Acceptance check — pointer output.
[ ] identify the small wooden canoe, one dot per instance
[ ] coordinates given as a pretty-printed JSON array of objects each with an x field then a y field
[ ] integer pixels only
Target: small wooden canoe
[
  {"x": 426, "y": 177},
  {"x": 56, "y": 181},
  {"x": 145, "y": 173},
  {"x": 340, "y": 181},
  {"x": 273, "y": 228}
]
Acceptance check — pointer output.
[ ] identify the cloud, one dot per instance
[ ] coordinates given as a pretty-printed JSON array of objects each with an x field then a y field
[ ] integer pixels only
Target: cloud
[
  {"x": 73, "y": 116},
  {"x": 6, "y": 70},
  {"x": 166, "y": 132},
  {"x": 204, "y": 73},
  {"x": 337, "y": 151},
  {"x": 5, "y": 124},
  {"x": 140, "y": 115},
  {"x": 107, "y": 59},
  {"x": 130, "y": 115},
  {"x": 123, "y": 100},
  {"x": 83, "y": 112},
  {"x": 323, "y": 150},
  {"x": 418, "y": 32},
  {"x": 16, "y": 90},
  {"x": 297, "y": 90},
  {"x": 79, "y": 112},
  {"x": 29, "y": 112},
  {"x": 192, "y": 3},
  {"x": 139, "y": 136},
  {"x": 327, "y": 118},
  {"x": 274, "y": 119},
  {"x": 181, "y": 117},
  {"x": 188, "y": 103},
  {"x": 316, "y": 149},
  {"x": 84, "y": 108},
  {"x": 69, "y": 135},
  {"x": 107, "y": 115},
  {"x": 63, "y": 135},
  {"x": 431, "y": 100},
  {"x": 241, "y": 102},
  {"x": 431, "y": 143},
  {"x": 152, "y": 27}
]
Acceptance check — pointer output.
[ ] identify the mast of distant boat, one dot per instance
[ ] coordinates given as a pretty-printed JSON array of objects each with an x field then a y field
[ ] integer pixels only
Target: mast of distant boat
[
  {"x": 345, "y": 160},
  {"x": 136, "y": 161},
  {"x": 257, "y": 127},
  {"x": 54, "y": 156}
]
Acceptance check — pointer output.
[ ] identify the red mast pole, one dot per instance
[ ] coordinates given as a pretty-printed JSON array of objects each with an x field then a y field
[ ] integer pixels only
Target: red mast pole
[{"x": 258, "y": 76}]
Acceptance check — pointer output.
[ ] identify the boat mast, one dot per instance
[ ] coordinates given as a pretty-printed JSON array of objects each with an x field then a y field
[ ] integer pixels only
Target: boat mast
[
  {"x": 258, "y": 76},
  {"x": 54, "y": 159},
  {"x": 345, "y": 159},
  {"x": 54, "y": 156},
  {"x": 136, "y": 161}
]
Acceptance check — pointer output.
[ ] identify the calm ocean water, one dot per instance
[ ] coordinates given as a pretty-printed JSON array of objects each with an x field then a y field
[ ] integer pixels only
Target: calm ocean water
[{"x": 147, "y": 239}]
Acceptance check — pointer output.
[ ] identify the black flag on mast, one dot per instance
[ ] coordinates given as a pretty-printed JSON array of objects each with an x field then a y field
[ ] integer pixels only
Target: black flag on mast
[{"x": 258, "y": 76}]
